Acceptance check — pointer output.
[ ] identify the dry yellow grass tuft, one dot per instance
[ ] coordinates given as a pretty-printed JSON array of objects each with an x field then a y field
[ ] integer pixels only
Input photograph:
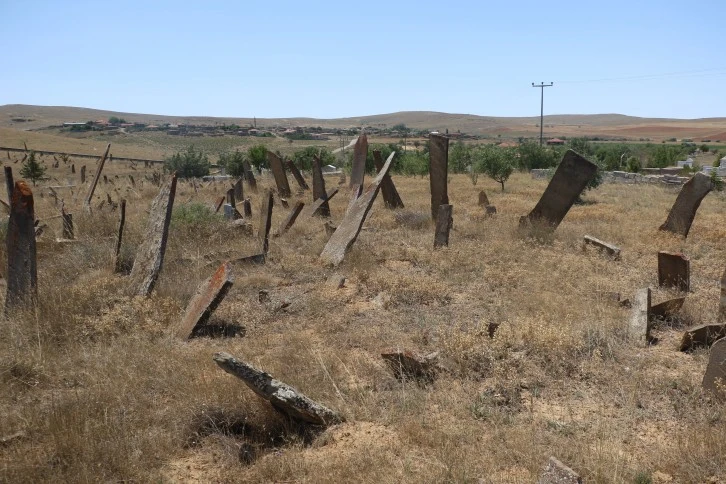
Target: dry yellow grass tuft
[{"x": 104, "y": 393}]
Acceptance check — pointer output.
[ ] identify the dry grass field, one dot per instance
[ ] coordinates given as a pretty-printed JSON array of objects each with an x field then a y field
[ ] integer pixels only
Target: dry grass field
[{"x": 104, "y": 393}]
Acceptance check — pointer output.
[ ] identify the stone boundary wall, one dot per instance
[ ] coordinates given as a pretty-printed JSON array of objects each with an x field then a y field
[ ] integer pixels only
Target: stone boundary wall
[{"x": 626, "y": 177}]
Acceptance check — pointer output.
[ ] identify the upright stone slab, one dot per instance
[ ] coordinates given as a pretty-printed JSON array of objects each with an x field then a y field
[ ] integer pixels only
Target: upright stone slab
[
  {"x": 67, "y": 219},
  {"x": 316, "y": 207},
  {"x": 570, "y": 179},
  {"x": 119, "y": 236},
  {"x": 714, "y": 381},
  {"x": 150, "y": 255},
  {"x": 278, "y": 171},
  {"x": 22, "y": 268},
  {"x": 674, "y": 270},
  {"x": 249, "y": 176},
  {"x": 297, "y": 175},
  {"x": 483, "y": 199},
  {"x": 9, "y": 183},
  {"x": 208, "y": 296},
  {"x": 722, "y": 305},
  {"x": 639, "y": 329},
  {"x": 555, "y": 472},
  {"x": 360, "y": 153},
  {"x": 438, "y": 172},
  {"x": 291, "y": 217},
  {"x": 391, "y": 198},
  {"x": 92, "y": 188},
  {"x": 684, "y": 208},
  {"x": 238, "y": 190},
  {"x": 444, "y": 222},
  {"x": 83, "y": 174},
  {"x": 349, "y": 228},
  {"x": 265, "y": 222},
  {"x": 319, "y": 188}
]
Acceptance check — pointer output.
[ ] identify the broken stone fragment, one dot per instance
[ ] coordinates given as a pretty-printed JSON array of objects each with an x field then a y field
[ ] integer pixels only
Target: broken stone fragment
[{"x": 407, "y": 365}]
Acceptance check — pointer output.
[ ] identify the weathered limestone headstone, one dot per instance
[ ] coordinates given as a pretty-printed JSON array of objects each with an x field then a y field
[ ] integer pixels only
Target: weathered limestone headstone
[
  {"x": 360, "y": 153},
  {"x": 319, "y": 187},
  {"x": 684, "y": 208},
  {"x": 391, "y": 198},
  {"x": 208, "y": 296},
  {"x": 639, "y": 329},
  {"x": 83, "y": 174},
  {"x": 22, "y": 268},
  {"x": 249, "y": 176},
  {"x": 92, "y": 188},
  {"x": 316, "y": 207},
  {"x": 119, "y": 236},
  {"x": 674, "y": 270},
  {"x": 67, "y": 219},
  {"x": 283, "y": 398},
  {"x": 297, "y": 175},
  {"x": 570, "y": 179},
  {"x": 278, "y": 171},
  {"x": 349, "y": 228},
  {"x": 265, "y": 222},
  {"x": 291, "y": 217},
  {"x": 238, "y": 190},
  {"x": 555, "y": 472},
  {"x": 444, "y": 221},
  {"x": 9, "y": 183},
  {"x": 150, "y": 255},
  {"x": 714, "y": 380},
  {"x": 438, "y": 172},
  {"x": 609, "y": 248},
  {"x": 483, "y": 199},
  {"x": 703, "y": 335}
]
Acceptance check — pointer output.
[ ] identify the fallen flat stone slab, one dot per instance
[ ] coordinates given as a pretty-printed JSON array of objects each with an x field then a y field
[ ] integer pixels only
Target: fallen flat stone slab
[
  {"x": 409, "y": 365},
  {"x": 609, "y": 248},
  {"x": 667, "y": 308},
  {"x": 555, "y": 472},
  {"x": 319, "y": 188},
  {"x": 674, "y": 270},
  {"x": 391, "y": 198},
  {"x": 360, "y": 153},
  {"x": 290, "y": 219},
  {"x": 438, "y": 172},
  {"x": 297, "y": 175},
  {"x": 238, "y": 190},
  {"x": 22, "y": 263},
  {"x": 283, "y": 397},
  {"x": 208, "y": 296},
  {"x": 639, "y": 328},
  {"x": 703, "y": 335},
  {"x": 714, "y": 380},
  {"x": 686, "y": 205},
  {"x": 570, "y": 179},
  {"x": 255, "y": 259},
  {"x": 349, "y": 228},
  {"x": 444, "y": 221},
  {"x": 150, "y": 254},
  {"x": 278, "y": 171}
]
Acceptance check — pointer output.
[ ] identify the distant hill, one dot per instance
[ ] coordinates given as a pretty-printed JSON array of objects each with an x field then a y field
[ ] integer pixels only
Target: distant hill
[{"x": 21, "y": 116}]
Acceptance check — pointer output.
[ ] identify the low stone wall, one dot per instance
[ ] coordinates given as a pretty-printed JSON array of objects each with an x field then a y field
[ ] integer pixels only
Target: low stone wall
[{"x": 624, "y": 177}]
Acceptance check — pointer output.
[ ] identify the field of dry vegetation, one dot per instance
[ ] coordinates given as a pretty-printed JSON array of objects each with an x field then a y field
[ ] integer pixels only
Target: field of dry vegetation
[{"x": 102, "y": 392}]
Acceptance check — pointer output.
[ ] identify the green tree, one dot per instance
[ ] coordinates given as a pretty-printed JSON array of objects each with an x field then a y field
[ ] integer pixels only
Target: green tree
[
  {"x": 496, "y": 163},
  {"x": 460, "y": 157},
  {"x": 188, "y": 163},
  {"x": 414, "y": 163},
  {"x": 232, "y": 163},
  {"x": 303, "y": 158},
  {"x": 32, "y": 170},
  {"x": 532, "y": 155},
  {"x": 257, "y": 155}
]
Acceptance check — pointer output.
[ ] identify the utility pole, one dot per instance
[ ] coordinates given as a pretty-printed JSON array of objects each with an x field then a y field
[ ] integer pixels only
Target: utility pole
[{"x": 541, "y": 85}]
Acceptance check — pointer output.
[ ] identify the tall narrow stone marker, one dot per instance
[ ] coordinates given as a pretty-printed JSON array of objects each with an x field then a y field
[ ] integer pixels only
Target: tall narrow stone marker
[
  {"x": 438, "y": 172},
  {"x": 9, "y": 183},
  {"x": 684, "y": 208},
  {"x": 674, "y": 270},
  {"x": 391, "y": 198},
  {"x": 290, "y": 220},
  {"x": 119, "y": 236},
  {"x": 639, "y": 329},
  {"x": 443, "y": 225},
  {"x": 714, "y": 380},
  {"x": 208, "y": 296},
  {"x": 319, "y": 187},
  {"x": 249, "y": 176},
  {"x": 150, "y": 255},
  {"x": 570, "y": 179},
  {"x": 83, "y": 174},
  {"x": 265, "y": 222},
  {"x": 67, "y": 219},
  {"x": 238, "y": 190},
  {"x": 278, "y": 171},
  {"x": 358, "y": 170},
  {"x": 92, "y": 188},
  {"x": 349, "y": 228},
  {"x": 22, "y": 268},
  {"x": 722, "y": 305},
  {"x": 297, "y": 175}
]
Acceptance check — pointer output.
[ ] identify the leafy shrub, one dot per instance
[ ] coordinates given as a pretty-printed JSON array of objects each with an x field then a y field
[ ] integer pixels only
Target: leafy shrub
[
  {"x": 32, "y": 170},
  {"x": 304, "y": 158},
  {"x": 497, "y": 163},
  {"x": 257, "y": 155},
  {"x": 189, "y": 163},
  {"x": 191, "y": 214},
  {"x": 233, "y": 163},
  {"x": 532, "y": 155},
  {"x": 633, "y": 164}
]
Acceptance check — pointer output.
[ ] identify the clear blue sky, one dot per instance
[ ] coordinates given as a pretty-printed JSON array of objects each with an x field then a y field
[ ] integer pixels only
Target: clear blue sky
[{"x": 334, "y": 59}]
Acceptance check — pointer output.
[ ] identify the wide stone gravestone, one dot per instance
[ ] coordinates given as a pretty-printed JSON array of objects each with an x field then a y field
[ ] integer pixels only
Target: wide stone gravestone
[
  {"x": 119, "y": 236},
  {"x": 150, "y": 255},
  {"x": 674, "y": 270},
  {"x": 639, "y": 328},
  {"x": 22, "y": 266},
  {"x": 438, "y": 172},
  {"x": 714, "y": 380},
  {"x": 297, "y": 175},
  {"x": 358, "y": 170},
  {"x": 349, "y": 228},
  {"x": 570, "y": 179},
  {"x": 208, "y": 296},
  {"x": 444, "y": 222},
  {"x": 278, "y": 171},
  {"x": 391, "y": 198},
  {"x": 684, "y": 208},
  {"x": 319, "y": 188},
  {"x": 483, "y": 199},
  {"x": 9, "y": 183}
]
